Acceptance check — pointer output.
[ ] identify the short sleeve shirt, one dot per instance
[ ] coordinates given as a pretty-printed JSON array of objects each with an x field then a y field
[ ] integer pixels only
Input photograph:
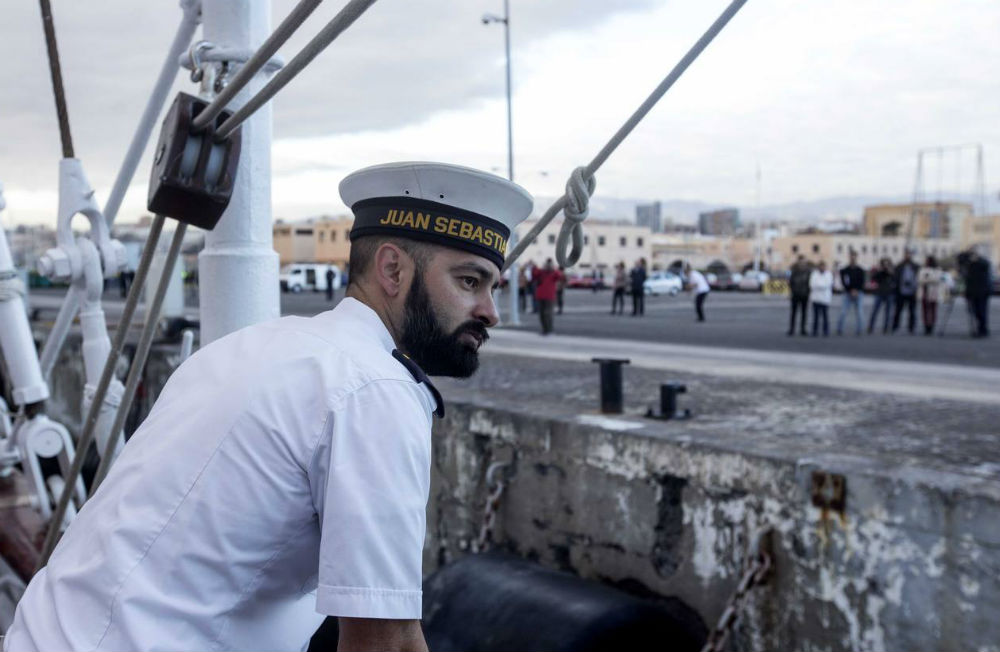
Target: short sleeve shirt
[{"x": 281, "y": 476}]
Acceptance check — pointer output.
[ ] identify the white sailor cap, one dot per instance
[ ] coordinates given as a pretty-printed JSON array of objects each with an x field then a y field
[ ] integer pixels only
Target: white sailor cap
[{"x": 444, "y": 204}]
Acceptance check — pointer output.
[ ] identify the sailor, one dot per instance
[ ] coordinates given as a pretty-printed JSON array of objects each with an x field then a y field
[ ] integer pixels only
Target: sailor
[{"x": 282, "y": 475}]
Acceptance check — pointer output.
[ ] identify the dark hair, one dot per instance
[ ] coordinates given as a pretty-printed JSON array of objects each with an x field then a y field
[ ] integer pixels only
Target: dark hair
[
  {"x": 931, "y": 261},
  {"x": 363, "y": 252}
]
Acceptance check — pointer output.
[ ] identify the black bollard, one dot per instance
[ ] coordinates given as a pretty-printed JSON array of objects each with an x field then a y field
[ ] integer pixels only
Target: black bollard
[
  {"x": 668, "y": 403},
  {"x": 611, "y": 384}
]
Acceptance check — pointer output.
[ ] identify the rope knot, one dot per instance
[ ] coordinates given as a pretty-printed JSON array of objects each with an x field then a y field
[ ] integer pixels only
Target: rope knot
[
  {"x": 576, "y": 208},
  {"x": 578, "y": 192}
]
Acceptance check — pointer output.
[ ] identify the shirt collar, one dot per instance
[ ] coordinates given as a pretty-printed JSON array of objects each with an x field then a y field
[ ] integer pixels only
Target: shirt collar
[
  {"x": 369, "y": 320},
  {"x": 372, "y": 323}
]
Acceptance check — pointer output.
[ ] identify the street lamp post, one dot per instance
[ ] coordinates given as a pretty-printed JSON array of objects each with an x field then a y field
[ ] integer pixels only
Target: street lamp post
[{"x": 512, "y": 283}]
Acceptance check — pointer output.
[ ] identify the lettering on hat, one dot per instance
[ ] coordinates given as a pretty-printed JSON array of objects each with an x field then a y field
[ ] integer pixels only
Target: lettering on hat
[{"x": 455, "y": 227}]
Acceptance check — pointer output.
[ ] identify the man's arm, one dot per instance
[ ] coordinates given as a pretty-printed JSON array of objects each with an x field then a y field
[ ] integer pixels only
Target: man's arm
[{"x": 380, "y": 635}]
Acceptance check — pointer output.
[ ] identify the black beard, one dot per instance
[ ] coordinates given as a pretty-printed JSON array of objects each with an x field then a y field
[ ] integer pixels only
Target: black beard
[{"x": 436, "y": 352}]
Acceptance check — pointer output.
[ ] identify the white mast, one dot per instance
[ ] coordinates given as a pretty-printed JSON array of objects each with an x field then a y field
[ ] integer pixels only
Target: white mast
[{"x": 238, "y": 269}]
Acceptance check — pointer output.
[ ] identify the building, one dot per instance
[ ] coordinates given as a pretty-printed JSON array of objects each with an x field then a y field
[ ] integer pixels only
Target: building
[
  {"x": 605, "y": 244},
  {"x": 333, "y": 240},
  {"x": 650, "y": 216},
  {"x": 295, "y": 243},
  {"x": 930, "y": 219},
  {"x": 670, "y": 250},
  {"x": 835, "y": 248},
  {"x": 725, "y": 221},
  {"x": 983, "y": 233},
  {"x": 317, "y": 240}
]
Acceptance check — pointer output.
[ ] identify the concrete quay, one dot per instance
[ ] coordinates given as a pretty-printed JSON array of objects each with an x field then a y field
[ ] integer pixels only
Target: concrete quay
[{"x": 908, "y": 560}]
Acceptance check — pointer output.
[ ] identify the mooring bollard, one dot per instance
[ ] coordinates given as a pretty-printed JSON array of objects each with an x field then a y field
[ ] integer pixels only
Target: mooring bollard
[
  {"x": 668, "y": 403},
  {"x": 611, "y": 384}
]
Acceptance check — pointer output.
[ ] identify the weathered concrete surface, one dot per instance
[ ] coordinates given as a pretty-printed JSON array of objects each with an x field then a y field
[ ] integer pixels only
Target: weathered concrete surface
[{"x": 913, "y": 563}]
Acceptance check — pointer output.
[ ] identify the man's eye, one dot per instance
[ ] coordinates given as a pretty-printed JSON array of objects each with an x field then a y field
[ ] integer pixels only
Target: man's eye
[{"x": 470, "y": 282}]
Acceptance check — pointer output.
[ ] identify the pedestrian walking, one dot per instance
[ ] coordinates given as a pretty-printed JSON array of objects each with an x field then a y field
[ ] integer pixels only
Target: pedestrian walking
[
  {"x": 798, "y": 284},
  {"x": 282, "y": 475},
  {"x": 698, "y": 285},
  {"x": 546, "y": 288},
  {"x": 329, "y": 283},
  {"x": 885, "y": 294},
  {"x": 621, "y": 279},
  {"x": 978, "y": 286},
  {"x": 852, "y": 279},
  {"x": 906, "y": 291},
  {"x": 929, "y": 286},
  {"x": 637, "y": 277},
  {"x": 821, "y": 293}
]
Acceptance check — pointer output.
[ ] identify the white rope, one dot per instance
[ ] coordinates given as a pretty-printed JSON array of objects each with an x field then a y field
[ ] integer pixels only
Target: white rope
[
  {"x": 572, "y": 228},
  {"x": 258, "y": 60},
  {"x": 344, "y": 19}
]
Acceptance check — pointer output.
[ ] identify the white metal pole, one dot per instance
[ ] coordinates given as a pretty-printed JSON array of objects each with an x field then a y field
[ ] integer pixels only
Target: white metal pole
[
  {"x": 757, "y": 248},
  {"x": 16, "y": 341},
  {"x": 515, "y": 317},
  {"x": 238, "y": 269}
]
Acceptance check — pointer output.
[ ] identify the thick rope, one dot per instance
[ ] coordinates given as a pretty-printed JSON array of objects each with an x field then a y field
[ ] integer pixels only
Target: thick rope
[
  {"x": 344, "y": 19},
  {"x": 57, "y": 81},
  {"x": 571, "y": 228},
  {"x": 259, "y": 59}
]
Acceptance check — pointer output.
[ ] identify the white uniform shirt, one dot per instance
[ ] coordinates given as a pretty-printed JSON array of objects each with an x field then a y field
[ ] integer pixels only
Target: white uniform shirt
[
  {"x": 699, "y": 283},
  {"x": 821, "y": 287},
  {"x": 281, "y": 476}
]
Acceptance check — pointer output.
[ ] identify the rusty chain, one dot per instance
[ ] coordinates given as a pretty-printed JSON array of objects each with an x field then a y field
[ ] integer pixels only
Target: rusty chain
[
  {"x": 760, "y": 565},
  {"x": 490, "y": 509}
]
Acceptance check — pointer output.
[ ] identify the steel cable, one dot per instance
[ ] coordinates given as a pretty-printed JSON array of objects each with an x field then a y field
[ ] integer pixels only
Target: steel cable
[
  {"x": 344, "y": 19},
  {"x": 259, "y": 59},
  {"x": 572, "y": 227},
  {"x": 57, "y": 80},
  {"x": 52, "y": 536},
  {"x": 141, "y": 355}
]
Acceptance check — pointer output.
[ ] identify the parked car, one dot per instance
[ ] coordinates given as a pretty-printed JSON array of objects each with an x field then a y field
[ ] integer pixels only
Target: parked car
[
  {"x": 296, "y": 277},
  {"x": 584, "y": 281},
  {"x": 663, "y": 283},
  {"x": 754, "y": 281}
]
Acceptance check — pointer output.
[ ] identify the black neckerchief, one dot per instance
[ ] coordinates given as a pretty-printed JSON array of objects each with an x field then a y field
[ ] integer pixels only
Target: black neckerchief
[{"x": 420, "y": 377}]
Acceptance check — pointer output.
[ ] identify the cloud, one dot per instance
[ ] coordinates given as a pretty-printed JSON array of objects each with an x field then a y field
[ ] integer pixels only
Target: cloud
[{"x": 829, "y": 98}]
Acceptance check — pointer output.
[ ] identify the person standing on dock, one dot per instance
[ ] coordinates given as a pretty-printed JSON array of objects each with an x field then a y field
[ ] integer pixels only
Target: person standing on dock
[
  {"x": 546, "y": 287},
  {"x": 283, "y": 474},
  {"x": 700, "y": 288},
  {"x": 637, "y": 277},
  {"x": 798, "y": 283}
]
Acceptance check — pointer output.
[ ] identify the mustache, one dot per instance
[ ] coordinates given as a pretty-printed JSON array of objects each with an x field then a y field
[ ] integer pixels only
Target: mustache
[{"x": 476, "y": 328}]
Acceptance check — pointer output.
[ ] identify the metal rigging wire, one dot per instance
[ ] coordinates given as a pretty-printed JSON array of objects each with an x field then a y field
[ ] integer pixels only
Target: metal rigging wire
[
  {"x": 583, "y": 178},
  {"x": 344, "y": 19},
  {"x": 259, "y": 59},
  {"x": 57, "y": 82}
]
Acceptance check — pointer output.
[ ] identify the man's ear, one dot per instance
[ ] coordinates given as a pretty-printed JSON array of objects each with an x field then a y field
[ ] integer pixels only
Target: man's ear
[{"x": 391, "y": 268}]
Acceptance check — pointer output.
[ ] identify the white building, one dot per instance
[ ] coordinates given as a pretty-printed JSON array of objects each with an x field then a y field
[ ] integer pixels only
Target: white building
[{"x": 605, "y": 244}]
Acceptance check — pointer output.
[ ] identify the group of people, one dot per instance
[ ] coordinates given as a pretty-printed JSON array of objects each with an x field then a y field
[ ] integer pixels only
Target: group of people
[
  {"x": 896, "y": 289},
  {"x": 635, "y": 281}
]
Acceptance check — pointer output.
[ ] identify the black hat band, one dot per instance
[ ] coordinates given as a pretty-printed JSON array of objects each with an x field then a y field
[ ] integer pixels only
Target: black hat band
[{"x": 430, "y": 221}]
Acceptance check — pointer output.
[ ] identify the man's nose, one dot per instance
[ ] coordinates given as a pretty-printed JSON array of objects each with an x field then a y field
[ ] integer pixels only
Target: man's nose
[{"x": 486, "y": 311}]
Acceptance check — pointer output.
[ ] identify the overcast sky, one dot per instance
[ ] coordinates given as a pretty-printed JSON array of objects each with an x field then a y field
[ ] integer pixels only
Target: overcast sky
[{"x": 830, "y": 98}]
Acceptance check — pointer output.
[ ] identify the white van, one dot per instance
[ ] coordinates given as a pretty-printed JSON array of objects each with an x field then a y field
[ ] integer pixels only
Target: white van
[{"x": 296, "y": 277}]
